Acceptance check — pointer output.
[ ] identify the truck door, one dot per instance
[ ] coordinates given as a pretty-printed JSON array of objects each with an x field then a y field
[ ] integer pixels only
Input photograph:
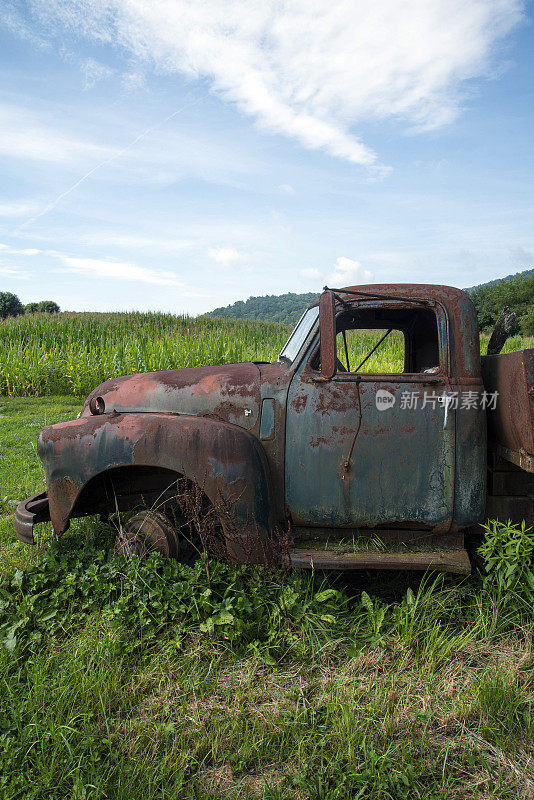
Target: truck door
[{"x": 375, "y": 444}]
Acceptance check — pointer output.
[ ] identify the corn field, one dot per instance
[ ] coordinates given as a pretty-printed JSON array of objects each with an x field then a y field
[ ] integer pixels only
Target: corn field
[{"x": 71, "y": 353}]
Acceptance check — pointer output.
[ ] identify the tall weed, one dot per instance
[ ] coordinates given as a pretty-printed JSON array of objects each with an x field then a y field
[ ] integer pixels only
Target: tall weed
[{"x": 507, "y": 552}]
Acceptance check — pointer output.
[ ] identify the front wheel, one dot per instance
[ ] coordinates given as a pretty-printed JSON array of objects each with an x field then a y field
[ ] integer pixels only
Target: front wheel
[
  {"x": 174, "y": 534},
  {"x": 146, "y": 532}
]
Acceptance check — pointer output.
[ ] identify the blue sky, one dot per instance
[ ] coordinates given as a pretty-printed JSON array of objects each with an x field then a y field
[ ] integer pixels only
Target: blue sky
[{"x": 182, "y": 154}]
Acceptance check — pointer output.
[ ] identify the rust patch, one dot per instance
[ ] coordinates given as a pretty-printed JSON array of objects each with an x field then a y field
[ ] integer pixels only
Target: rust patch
[
  {"x": 299, "y": 402},
  {"x": 61, "y": 496}
]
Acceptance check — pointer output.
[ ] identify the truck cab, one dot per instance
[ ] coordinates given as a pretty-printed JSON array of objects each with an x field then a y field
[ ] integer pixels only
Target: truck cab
[{"x": 365, "y": 442}]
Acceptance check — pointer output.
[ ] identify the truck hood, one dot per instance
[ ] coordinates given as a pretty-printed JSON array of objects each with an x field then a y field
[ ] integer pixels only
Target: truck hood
[{"x": 230, "y": 392}]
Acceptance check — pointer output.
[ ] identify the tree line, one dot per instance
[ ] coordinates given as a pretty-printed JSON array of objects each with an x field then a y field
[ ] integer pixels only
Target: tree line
[
  {"x": 285, "y": 308},
  {"x": 10, "y": 306},
  {"x": 515, "y": 291}
]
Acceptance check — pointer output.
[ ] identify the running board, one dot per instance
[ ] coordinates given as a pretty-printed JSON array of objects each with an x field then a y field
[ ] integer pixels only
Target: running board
[{"x": 444, "y": 560}]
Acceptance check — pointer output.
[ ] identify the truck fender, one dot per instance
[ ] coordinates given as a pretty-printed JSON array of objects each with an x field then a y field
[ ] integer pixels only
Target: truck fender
[{"x": 227, "y": 462}]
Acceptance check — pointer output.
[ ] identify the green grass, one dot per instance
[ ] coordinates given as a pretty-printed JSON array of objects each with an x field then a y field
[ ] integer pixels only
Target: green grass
[{"x": 149, "y": 679}]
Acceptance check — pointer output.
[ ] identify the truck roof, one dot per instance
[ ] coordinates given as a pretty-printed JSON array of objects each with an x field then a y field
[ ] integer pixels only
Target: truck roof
[{"x": 463, "y": 333}]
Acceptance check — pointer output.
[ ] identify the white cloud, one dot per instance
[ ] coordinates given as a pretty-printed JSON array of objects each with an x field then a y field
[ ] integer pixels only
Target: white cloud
[
  {"x": 15, "y": 209},
  {"x": 311, "y": 69},
  {"x": 348, "y": 272},
  {"x": 25, "y": 135},
  {"x": 311, "y": 274},
  {"x": 227, "y": 257},
  {"x": 93, "y": 72},
  {"x": 286, "y": 188},
  {"x": 121, "y": 270}
]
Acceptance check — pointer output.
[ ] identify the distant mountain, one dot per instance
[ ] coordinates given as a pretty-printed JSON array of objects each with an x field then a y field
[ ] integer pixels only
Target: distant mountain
[
  {"x": 286, "y": 308},
  {"x": 515, "y": 291}
]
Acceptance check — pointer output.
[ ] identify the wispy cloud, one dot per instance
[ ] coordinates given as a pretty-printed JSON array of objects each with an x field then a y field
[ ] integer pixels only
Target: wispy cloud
[
  {"x": 15, "y": 272},
  {"x": 25, "y": 135},
  {"x": 312, "y": 69},
  {"x": 110, "y": 158},
  {"x": 117, "y": 270},
  {"x": 15, "y": 209},
  {"x": 27, "y": 251},
  {"x": 160, "y": 244}
]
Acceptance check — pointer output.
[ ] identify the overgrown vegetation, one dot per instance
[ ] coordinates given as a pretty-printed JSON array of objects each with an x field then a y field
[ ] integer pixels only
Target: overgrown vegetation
[{"x": 147, "y": 678}]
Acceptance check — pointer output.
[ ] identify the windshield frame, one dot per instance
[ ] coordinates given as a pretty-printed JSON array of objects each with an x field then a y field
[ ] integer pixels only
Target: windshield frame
[{"x": 299, "y": 336}]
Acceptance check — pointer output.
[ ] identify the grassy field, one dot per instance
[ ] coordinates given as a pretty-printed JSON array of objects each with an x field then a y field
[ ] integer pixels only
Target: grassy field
[
  {"x": 155, "y": 680},
  {"x": 43, "y": 354},
  {"x": 149, "y": 679}
]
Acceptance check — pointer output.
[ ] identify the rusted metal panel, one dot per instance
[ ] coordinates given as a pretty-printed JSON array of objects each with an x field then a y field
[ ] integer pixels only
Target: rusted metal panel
[
  {"x": 327, "y": 317},
  {"x": 518, "y": 457},
  {"x": 511, "y": 422},
  {"x": 456, "y": 561},
  {"x": 267, "y": 426},
  {"x": 30, "y": 512},
  {"x": 406, "y": 465},
  {"x": 402, "y": 466},
  {"x": 225, "y": 461},
  {"x": 471, "y": 459},
  {"x": 229, "y": 392}
]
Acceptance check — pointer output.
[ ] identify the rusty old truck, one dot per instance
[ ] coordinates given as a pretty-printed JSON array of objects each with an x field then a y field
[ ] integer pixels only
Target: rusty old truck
[{"x": 363, "y": 469}]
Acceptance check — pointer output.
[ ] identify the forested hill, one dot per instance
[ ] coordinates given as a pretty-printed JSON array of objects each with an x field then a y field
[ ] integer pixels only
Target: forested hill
[
  {"x": 286, "y": 308},
  {"x": 515, "y": 291}
]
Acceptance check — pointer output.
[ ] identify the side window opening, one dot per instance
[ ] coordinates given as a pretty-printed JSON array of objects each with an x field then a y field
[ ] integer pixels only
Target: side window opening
[
  {"x": 386, "y": 340},
  {"x": 370, "y": 350}
]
